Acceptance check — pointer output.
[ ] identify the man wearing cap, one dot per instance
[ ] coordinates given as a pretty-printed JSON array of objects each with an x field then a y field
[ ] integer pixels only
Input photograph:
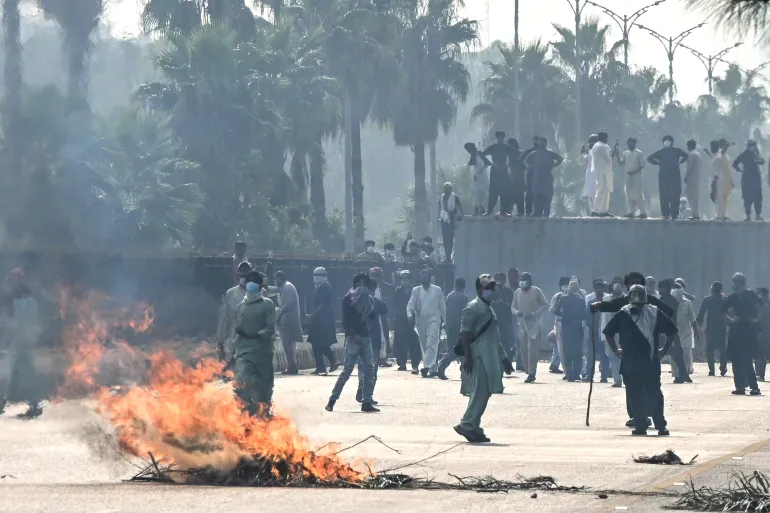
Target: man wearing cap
[
  {"x": 633, "y": 162},
  {"x": 322, "y": 334},
  {"x": 232, "y": 298},
  {"x": 405, "y": 341},
  {"x": 427, "y": 311},
  {"x": 529, "y": 305},
  {"x": 482, "y": 356},
  {"x": 450, "y": 211},
  {"x": 748, "y": 164}
]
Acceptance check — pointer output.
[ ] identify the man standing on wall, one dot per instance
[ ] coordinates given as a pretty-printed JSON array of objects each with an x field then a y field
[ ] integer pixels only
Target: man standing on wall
[
  {"x": 748, "y": 164},
  {"x": 668, "y": 159},
  {"x": 529, "y": 195},
  {"x": 499, "y": 179},
  {"x": 601, "y": 159},
  {"x": 692, "y": 179},
  {"x": 542, "y": 162},
  {"x": 633, "y": 161}
]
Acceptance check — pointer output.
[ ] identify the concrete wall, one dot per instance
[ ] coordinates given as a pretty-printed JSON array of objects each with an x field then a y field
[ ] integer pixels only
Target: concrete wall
[{"x": 699, "y": 252}]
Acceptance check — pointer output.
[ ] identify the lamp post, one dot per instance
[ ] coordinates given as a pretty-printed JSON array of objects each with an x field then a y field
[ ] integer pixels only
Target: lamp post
[
  {"x": 516, "y": 87},
  {"x": 710, "y": 61},
  {"x": 670, "y": 44},
  {"x": 625, "y": 22},
  {"x": 577, "y": 9}
]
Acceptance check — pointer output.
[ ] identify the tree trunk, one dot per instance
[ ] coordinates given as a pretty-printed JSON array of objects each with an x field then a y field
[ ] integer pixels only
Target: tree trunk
[
  {"x": 420, "y": 200},
  {"x": 357, "y": 177},
  {"x": 317, "y": 193},
  {"x": 298, "y": 173},
  {"x": 12, "y": 97}
]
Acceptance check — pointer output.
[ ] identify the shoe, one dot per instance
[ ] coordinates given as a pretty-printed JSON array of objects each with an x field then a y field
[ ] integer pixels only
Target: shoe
[
  {"x": 738, "y": 392},
  {"x": 319, "y": 372},
  {"x": 484, "y": 439},
  {"x": 385, "y": 363},
  {"x": 468, "y": 435},
  {"x": 333, "y": 367},
  {"x": 755, "y": 391},
  {"x": 291, "y": 372},
  {"x": 35, "y": 410},
  {"x": 585, "y": 379},
  {"x": 723, "y": 372},
  {"x": 330, "y": 405},
  {"x": 629, "y": 216},
  {"x": 424, "y": 372},
  {"x": 595, "y": 214},
  {"x": 442, "y": 376},
  {"x": 530, "y": 379},
  {"x": 748, "y": 219},
  {"x": 415, "y": 371},
  {"x": 603, "y": 380},
  {"x": 679, "y": 381},
  {"x": 760, "y": 219},
  {"x": 2, "y": 405},
  {"x": 760, "y": 378},
  {"x": 630, "y": 423},
  {"x": 636, "y": 432},
  {"x": 663, "y": 432},
  {"x": 359, "y": 398},
  {"x": 555, "y": 370},
  {"x": 572, "y": 380},
  {"x": 688, "y": 379},
  {"x": 567, "y": 379},
  {"x": 401, "y": 368},
  {"x": 433, "y": 374},
  {"x": 617, "y": 385},
  {"x": 642, "y": 216},
  {"x": 712, "y": 373},
  {"x": 369, "y": 408}
]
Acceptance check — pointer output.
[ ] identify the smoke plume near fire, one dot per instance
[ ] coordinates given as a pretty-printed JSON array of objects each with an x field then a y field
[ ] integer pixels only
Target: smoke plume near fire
[{"x": 181, "y": 412}]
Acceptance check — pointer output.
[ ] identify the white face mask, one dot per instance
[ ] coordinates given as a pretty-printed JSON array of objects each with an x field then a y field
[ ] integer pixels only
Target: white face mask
[
  {"x": 678, "y": 294},
  {"x": 666, "y": 143},
  {"x": 564, "y": 288},
  {"x": 319, "y": 279},
  {"x": 388, "y": 252},
  {"x": 242, "y": 281},
  {"x": 370, "y": 249}
]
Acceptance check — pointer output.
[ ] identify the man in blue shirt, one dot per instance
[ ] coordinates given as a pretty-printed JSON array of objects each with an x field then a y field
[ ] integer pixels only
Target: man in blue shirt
[{"x": 377, "y": 322}]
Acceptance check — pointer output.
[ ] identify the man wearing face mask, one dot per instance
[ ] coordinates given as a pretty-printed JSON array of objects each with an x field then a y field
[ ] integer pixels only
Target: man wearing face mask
[
  {"x": 741, "y": 311},
  {"x": 427, "y": 310},
  {"x": 405, "y": 340},
  {"x": 370, "y": 252},
  {"x": 613, "y": 361},
  {"x": 668, "y": 159},
  {"x": 651, "y": 286},
  {"x": 558, "y": 351},
  {"x": 687, "y": 326},
  {"x": 482, "y": 370},
  {"x": 390, "y": 253},
  {"x": 322, "y": 333},
  {"x": 288, "y": 319},
  {"x": 226, "y": 328},
  {"x": 529, "y": 305},
  {"x": 748, "y": 164},
  {"x": 716, "y": 332},
  {"x": 572, "y": 312},
  {"x": 638, "y": 327}
]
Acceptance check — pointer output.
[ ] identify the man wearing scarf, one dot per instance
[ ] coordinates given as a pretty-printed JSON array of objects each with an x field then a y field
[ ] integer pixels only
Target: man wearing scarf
[
  {"x": 427, "y": 310},
  {"x": 22, "y": 326},
  {"x": 450, "y": 211},
  {"x": 254, "y": 330},
  {"x": 529, "y": 305},
  {"x": 357, "y": 306},
  {"x": 478, "y": 165},
  {"x": 638, "y": 327},
  {"x": 322, "y": 333}
]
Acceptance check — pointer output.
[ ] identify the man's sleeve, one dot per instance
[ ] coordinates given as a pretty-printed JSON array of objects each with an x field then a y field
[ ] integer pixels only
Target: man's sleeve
[
  {"x": 690, "y": 313},
  {"x": 683, "y": 157},
  {"x": 738, "y": 161},
  {"x": 468, "y": 320},
  {"x": 557, "y": 159},
  {"x": 613, "y": 305},
  {"x": 657, "y": 303},
  {"x": 702, "y": 311},
  {"x": 654, "y": 158},
  {"x": 664, "y": 325},
  {"x": 266, "y": 334},
  {"x": 442, "y": 307},
  {"x": 727, "y": 304}
]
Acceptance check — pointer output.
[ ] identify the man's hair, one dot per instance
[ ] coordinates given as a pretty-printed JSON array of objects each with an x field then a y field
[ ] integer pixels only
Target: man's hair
[
  {"x": 513, "y": 142},
  {"x": 255, "y": 277},
  {"x": 717, "y": 285},
  {"x": 714, "y": 145},
  {"x": 499, "y": 134},
  {"x": 603, "y": 136},
  {"x": 762, "y": 291},
  {"x": 592, "y": 139},
  {"x": 564, "y": 280},
  {"x": 361, "y": 279},
  {"x": 634, "y": 278},
  {"x": 279, "y": 275},
  {"x": 389, "y": 245},
  {"x": 668, "y": 138},
  {"x": 666, "y": 283},
  {"x": 691, "y": 144},
  {"x": 500, "y": 277},
  {"x": 460, "y": 283},
  {"x": 543, "y": 141},
  {"x": 370, "y": 243},
  {"x": 244, "y": 266},
  {"x": 469, "y": 147},
  {"x": 631, "y": 140}
]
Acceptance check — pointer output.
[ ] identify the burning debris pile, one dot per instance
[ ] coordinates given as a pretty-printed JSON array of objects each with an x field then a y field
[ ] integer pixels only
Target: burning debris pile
[{"x": 745, "y": 493}]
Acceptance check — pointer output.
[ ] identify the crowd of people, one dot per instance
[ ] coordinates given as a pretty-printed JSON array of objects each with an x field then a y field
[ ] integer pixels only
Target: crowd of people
[
  {"x": 524, "y": 179},
  {"x": 626, "y": 325}
]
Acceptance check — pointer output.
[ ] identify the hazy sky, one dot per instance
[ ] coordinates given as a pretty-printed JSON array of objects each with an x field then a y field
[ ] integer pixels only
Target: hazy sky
[{"x": 536, "y": 17}]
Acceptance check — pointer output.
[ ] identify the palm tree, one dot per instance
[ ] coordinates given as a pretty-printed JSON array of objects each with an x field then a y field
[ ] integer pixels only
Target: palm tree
[
  {"x": 184, "y": 16},
  {"x": 78, "y": 19},
  {"x": 747, "y": 100},
  {"x": 432, "y": 81},
  {"x": 12, "y": 96},
  {"x": 751, "y": 15}
]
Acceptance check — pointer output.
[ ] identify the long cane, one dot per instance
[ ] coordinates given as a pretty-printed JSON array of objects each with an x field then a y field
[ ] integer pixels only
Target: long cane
[{"x": 593, "y": 364}]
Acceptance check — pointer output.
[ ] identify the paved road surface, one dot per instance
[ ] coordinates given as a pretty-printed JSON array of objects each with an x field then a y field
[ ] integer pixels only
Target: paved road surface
[{"x": 61, "y": 463}]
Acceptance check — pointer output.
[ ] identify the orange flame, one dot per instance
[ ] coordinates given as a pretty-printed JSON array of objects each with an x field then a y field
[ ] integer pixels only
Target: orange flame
[{"x": 182, "y": 414}]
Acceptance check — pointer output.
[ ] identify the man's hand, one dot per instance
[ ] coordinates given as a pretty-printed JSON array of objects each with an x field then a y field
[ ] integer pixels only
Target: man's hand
[
  {"x": 507, "y": 366},
  {"x": 618, "y": 352},
  {"x": 594, "y": 307},
  {"x": 468, "y": 364},
  {"x": 662, "y": 352}
]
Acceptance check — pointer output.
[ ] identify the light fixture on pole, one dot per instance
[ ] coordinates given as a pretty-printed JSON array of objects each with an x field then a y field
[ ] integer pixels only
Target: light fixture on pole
[
  {"x": 577, "y": 9},
  {"x": 710, "y": 61}
]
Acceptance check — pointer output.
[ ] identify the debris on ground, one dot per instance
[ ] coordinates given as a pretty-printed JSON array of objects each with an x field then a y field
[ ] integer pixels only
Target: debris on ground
[
  {"x": 666, "y": 458},
  {"x": 745, "y": 492}
]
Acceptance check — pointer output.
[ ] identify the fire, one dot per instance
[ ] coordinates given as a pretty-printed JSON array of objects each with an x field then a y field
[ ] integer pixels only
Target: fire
[{"x": 184, "y": 414}]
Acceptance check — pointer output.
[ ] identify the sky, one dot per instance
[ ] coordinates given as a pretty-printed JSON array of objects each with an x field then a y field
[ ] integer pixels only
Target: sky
[{"x": 536, "y": 18}]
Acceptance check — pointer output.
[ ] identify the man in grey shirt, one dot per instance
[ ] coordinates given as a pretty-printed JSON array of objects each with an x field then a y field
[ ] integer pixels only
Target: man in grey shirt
[
  {"x": 692, "y": 179},
  {"x": 456, "y": 302}
]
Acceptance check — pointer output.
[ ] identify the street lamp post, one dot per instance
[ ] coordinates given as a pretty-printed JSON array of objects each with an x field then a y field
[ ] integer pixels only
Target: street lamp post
[
  {"x": 578, "y": 10},
  {"x": 710, "y": 61},
  {"x": 516, "y": 88},
  {"x": 670, "y": 44},
  {"x": 625, "y": 22}
]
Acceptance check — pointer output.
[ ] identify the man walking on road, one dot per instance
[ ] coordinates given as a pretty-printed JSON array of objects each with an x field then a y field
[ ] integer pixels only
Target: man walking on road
[
  {"x": 716, "y": 332},
  {"x": 456, "y": 302},
  {"x": 427, "y": 310},
  {"x": 741, "y": 312},
  {"x": 529, "y": 305}
]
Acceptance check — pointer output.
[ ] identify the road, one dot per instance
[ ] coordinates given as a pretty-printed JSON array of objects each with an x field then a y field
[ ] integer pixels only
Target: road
[{"x": 62, "y": 463}]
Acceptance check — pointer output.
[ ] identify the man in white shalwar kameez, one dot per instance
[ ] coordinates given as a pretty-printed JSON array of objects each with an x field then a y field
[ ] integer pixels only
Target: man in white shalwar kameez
[
  {"x": 478, "y": 165},
  {"x": 601, "y": 159},
  {"x": 529, "y": 305},
  {"x": 427, "y": 309},
  {"x": 722, "y": 171},
  {"x": 633, "y": 162},
  {"x": 589, "y": 188}
]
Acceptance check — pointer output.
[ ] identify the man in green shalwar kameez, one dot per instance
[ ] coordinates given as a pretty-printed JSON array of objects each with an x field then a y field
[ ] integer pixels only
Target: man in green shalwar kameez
[
  {"x": 254, "y": 328},
  {"x": 484, "y": 358}
]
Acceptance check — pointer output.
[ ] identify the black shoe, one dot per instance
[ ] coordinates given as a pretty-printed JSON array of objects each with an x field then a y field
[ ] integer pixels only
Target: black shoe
[
  {"x": 359, "y": 398},
  {"x": 723, "y": 372},
  {"x": 2, "y": 405},
  {"x": 424, "y": 372},
  {"x": 441, "y": 376},
  {"x": 663, "y": 432},
  {"x": 636, "y": 432},
  {"x": 565, "y": 378},
  {"x": 330, "y": 405},
  {"x": 369, "y": 408},
  {"x": 617, "y": 385},
  {"x": 555, "y": 370},
  {"x": 630, "y": 423},
  {"x": 760, "y": 378},
  {"x": 415, "y": 371},
  {"x": 755, "y": 391},
  {"x": 293, "y": 371},
  {"x": 333, "y": 367},
  {"x": 35, "y": 410},
  {"x": 594, "y": 214},
  {"x": 603, "y": 380},
  {"x": 402, "y": 368},
  {"x": 679, "y": 381},
  {"x": 738, "y": 392},
  {"x": 712, "y": 373},
  {"x": 319, "y": 372},
  {"x": 688, "y": 379},
  {"x": 642, "y": 216},
  {"x": 530, "y": 379}
]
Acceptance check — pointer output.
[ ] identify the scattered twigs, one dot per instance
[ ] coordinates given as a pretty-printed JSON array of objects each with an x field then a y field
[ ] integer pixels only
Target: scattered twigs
[
  {"x": 746, "y": 492},
  {"x": 666, "y": 458},
  {"x": 423, "y": 460},
  {"x": 370, "y": 437}
]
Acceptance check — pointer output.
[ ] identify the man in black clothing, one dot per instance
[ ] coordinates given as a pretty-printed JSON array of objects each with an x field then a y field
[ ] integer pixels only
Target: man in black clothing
[
  {"x": 542, "y": 161},
  {"x": 499, "y": 179},
  {"x": 502, "y": 308},
  {"x": 748, "y": 164},
  {"x": 406, "y": 344},
  {"x": 638, "y": 326},
  {"x": 677, "y": 353},
  {"x": 741, "y": 311},
  {"x": 529, "y": 193},
  {"x": 668, "y": 158},
  {"x": 716, "y": 332},
  {"x": 518, "y": 177}
]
